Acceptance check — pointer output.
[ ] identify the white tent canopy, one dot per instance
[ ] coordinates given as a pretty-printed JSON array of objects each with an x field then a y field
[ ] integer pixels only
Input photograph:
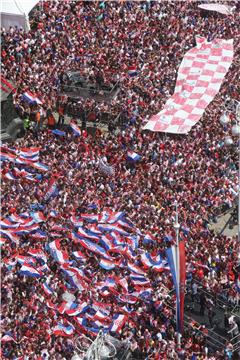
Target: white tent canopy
[{"x": 15, "y": 12}]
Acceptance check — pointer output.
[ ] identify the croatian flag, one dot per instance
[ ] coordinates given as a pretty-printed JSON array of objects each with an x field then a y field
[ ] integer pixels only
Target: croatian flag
[
  {"x": 32, "y": 158},
  {"x": 132, "y": 71},
  {"x": 175, "y": 257},
  {"x": 29, "y": 152},
  {"x": 139, "y": 280},
  {"x": 101, "y": 316},
  {"x": 107, "y": 241},
  {"x": 79, "y": 256},
  {"x": 6, "y": 224},
  {"x": 11, "y": 236},
  {"x": 80, "y": 308},
  {"x": 38, "y": 216},
  {"x": 46, "y": 288},
  {"x": 58, "y": 132},
  {"x": 106, "y": 264},
  {"x": 63, "y": 330},
  {"x": 52, "y": 190},
  {"x": 29, "y": 271},
  {"x": 118, "y": 322},
  {"x": 134, "y": 268},
  {"x": 39, "y": 254},
  {"x": 7, "y": 337},
  {"x": 9, "y": 176},
  {"x": 87, "y": 234},
  {"x": 111, "y": 227},
  {"x": 39, "y": 235},
  {"x": 87, "y": 244},
  {"x": 8, "y": 157},
  {"x": 132, "y": 156},
  {"x": 76, "y": 221},
  {"x": 90, "y": 217},
  {"x": 26, "y": 260},
  {"x": 40, "y": 166},
  {"x": 75, "y": 128},
  {"x": 66, "y": 305},
  {"x": 115, "y": 217},
  {"x": 59, "y": 255},
  {"x": 31, "y": 98}
]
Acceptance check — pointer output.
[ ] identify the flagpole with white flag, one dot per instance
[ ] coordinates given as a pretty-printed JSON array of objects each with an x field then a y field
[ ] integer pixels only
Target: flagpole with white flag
[{"x": 177, "y": 227}]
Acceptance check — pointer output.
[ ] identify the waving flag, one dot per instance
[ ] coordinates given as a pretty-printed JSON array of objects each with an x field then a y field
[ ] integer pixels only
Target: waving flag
[
  {"x": 200, "y": 76},
  {"x": 9, "y": 176},
  {"x": 101, "y": 316},
  {"x": 118, "y": 322},
  {"x": 7, "y": 157},
  {"x": 6, "y": 224},
  {"x": 26, "y": 260},
  {"x": 106, "y": 264},
  {"x": 58, "y": 132},
  {"x": 134, "y": 268},
  {"x": 63, "y": 330},
  {"x": 13, "y": 237},
  {"x": 65, "y": 306},
  {"x": 52, "y": 190},
  {"x": 107, "y": 242},
  {"x": 39, "y": 254},
  {"x": 75, "y": 128},
  {"x": 40, "y": 166},
  {"x": 132, "y": 156},
  {"x": 139, "y": 280},
  {"x": 25, "y": 229},
  {"x": 80, "y": 256},
  {"x": 115, "y": 217},
  {"x": 7, "y": 337},
  {"x": 87, "y": 234},
  {"x": 132, "y": 71},
  {"x": 111, "y": 227},
  {"x": 46, "y": 288},
  {"x": 58, "y": 254},
  {"x": 29, "y": 152},
  {"x": 39, "y": 235},
  {"x": 29, "y": 271},
  {"x": 106, "y": 169},
  {"x": 16, "y": 218},
  {"x": 79, "y": 309},
  {"x": 38, "y": 216},
  {"x": 31, "y": 98},
  {"x": 87, "y": 244},
  {"x": 90, "y": 217}
]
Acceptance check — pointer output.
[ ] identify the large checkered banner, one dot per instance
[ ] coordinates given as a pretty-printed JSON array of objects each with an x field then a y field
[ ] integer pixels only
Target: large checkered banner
[
  {"x": 199, "y": 79},
  {"x": 221, "y": 8}
]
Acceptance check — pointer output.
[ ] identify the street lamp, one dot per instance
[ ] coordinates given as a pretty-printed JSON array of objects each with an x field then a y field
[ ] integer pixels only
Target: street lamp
[{"x": 225, "y": 120}]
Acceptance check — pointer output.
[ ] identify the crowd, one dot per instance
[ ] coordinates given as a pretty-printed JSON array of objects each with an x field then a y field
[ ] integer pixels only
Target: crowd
[{"x": 197, "y": 170}]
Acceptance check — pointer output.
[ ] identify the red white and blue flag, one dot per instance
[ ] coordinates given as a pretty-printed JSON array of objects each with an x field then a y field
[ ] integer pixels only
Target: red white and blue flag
[
  {"x": 63, "y": 330},
  {"x": 31, "y": 98},
  {"x": 29, "y": 271},
  {"x": 52, "y": 190},
  {"x": 75, "y": 128},
  {"x": 118, "y": 322},
  {"x": 177, "y": 256}
]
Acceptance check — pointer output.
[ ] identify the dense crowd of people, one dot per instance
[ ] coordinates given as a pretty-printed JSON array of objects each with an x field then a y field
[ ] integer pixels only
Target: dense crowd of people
[{"x": 197, "y": 170}]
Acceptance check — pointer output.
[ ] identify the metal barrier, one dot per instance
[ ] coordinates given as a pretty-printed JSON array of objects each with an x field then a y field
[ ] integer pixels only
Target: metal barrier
[
  {"x": 215, "y": 341},
  {"x": 223, "y": 304}
]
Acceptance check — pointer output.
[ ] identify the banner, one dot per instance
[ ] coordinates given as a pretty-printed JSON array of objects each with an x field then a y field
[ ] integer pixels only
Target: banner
[
  {"x": 200, "y": 77},
  {"x": 220, "y": 8}
]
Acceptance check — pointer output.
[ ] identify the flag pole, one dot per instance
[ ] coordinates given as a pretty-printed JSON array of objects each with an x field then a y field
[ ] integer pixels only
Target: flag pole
[{"x": 177, "y": 227}]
